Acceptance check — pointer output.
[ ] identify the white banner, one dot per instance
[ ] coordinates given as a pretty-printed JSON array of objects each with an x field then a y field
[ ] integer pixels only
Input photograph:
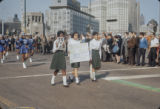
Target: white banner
[{"x": 79, "y": 53}]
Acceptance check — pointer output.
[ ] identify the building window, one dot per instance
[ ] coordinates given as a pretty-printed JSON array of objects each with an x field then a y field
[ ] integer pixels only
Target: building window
[
  {"x": 39, "y": 19},
  {"x": 59, "y": 1},
  {"x": 32, "y": 18}
]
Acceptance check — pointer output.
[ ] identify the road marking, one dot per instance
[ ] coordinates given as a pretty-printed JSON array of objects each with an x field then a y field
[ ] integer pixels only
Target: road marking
[
  {"x": 131, "y": 77},
  {"x": 25, "y": 108},
  {"x": 106, "y": 78},
  {"x": 7, "y": 102},
  {"x": 145, "y": 87}
]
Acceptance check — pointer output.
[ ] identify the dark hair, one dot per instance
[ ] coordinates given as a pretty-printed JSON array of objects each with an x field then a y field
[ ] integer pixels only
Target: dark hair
[
  {"x": 95, "y": 33},
  {"x": 142, "y": 33},
  {"x": 59, "y": 33},
  {"x": 74, "y": 34},
  {"x": 126, "y": 33}
]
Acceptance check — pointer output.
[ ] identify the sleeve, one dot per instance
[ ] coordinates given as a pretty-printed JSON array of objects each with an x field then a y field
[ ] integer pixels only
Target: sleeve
[
  {"x": 90, "y": 50},
  {"x": 54, "y": 46},
  {"x": 100, "y": 50}
]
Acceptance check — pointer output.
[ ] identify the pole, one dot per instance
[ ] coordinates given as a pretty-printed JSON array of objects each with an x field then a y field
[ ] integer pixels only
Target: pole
[
  {"x": 2, "y": 27},
  {"x": 90, "y": 17},
  {"x": 24, "y": 16}
]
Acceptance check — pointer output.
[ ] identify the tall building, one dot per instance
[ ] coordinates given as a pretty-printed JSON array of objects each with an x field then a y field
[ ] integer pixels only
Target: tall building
[
  {"x": 11, "y": 26},
  {"x": 98, "y": 9},
  {"x": 142, "y": 19},
  {"x": 34, "y": 23},
  {"x": 66, "y": 15},
  {"x": 116, "y": 16},
  {"x": 122, "y": 16}
]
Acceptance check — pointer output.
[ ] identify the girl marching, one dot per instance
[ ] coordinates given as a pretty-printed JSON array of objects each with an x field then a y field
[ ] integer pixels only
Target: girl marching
[
  {"x": 95, "y": 55},
  {"x": 2, "y": 48},
  {"x": 24, "y": 50},
  {"x": 73, "y": 41},
  {"x": 31, "y": 47},
  {"x": 17, "y": 46},
  {"x": 58, "y": 60}
]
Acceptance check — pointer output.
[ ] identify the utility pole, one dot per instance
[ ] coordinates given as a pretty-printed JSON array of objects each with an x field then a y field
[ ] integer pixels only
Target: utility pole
[
  {"x": 24, "y": 16},
  {"x": 2, "y": 27},
  {"x": 90, "y": 11}
]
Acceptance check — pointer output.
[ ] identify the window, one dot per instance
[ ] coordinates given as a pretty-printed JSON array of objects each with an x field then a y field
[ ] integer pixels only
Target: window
[{"x": 59, "y": 1}]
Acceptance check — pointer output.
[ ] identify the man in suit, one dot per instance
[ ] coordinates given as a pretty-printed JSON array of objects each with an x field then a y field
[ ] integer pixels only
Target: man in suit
[{"x": 131, "y": 48}]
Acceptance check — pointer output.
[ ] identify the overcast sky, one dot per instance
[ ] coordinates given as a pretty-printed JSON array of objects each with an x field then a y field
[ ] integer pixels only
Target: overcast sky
[{"x": 9, "y": 7}]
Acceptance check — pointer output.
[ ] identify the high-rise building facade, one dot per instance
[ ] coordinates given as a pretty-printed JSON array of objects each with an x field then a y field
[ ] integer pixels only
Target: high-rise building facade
[
  {"x": 34, "y": 23},
  {"x": 66, "y": 15},
  {"x": 116, "y": 16}
]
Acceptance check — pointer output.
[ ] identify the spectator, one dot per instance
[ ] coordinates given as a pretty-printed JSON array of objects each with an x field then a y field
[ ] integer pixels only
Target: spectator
[
  {"x": 125, "y": 48},
  {"x": 153, "y": 51},
  {"x": 143, "y": 45}
]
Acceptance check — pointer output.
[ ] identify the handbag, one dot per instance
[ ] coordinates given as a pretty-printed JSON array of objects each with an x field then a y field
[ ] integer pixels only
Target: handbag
[{"x": 115, "y": 49}]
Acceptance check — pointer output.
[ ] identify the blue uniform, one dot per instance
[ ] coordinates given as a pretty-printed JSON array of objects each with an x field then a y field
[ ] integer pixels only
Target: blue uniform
[
  {"x": 17, "y": 44},
  {"x": 7, "y": 42},
  {"x": 2, "y": 44},
  {"x": 31, "y": 42},
  {"x": 24, "y": 46}
]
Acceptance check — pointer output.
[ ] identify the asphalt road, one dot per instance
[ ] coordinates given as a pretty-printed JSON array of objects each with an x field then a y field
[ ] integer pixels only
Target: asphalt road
[{"x": 118, "y": 87}]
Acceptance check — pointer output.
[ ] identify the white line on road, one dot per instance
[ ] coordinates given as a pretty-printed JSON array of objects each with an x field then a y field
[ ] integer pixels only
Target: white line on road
[
  {"x": 131, "y": 77},
  {"x": 106, "y": 78}
]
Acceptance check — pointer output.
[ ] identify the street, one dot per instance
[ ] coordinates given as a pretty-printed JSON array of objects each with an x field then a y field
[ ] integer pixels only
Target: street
[{"x": 118, "y": 87}]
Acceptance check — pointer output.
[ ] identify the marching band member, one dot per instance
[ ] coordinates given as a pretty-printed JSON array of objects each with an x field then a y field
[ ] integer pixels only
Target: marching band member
[
  {"x": 2, "y": 47},
  {"x": 75, "y": 40},
  {"x": 58, "y": 60},
  {"x": 24, "y": 50},
  {"x": 7, "y": 41},
  {"x": 17, "y": 46},
  {"x": 95, "y": 55},
  {"x": 31, "y": 47}
]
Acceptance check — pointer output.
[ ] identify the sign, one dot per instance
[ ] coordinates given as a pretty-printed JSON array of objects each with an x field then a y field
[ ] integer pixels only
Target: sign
[{"x": 79, "y": 53}]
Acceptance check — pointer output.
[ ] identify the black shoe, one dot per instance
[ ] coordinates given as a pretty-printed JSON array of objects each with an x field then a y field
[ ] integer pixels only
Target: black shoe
[
  {"x": 94, "y": 80},
  {"x": 138, "y": 65},
  {"x": 66, "y": 85}
]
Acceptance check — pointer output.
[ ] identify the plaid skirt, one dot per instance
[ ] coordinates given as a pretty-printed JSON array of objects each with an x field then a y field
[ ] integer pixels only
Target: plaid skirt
[
  {"x": 58, "y": 61},
  {"x": 75, "y": 65},
  {"x": 96, "y": 61}
]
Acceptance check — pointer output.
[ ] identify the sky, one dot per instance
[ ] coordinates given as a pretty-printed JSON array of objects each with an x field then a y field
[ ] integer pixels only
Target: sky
[{"x": 149, "y": 8}]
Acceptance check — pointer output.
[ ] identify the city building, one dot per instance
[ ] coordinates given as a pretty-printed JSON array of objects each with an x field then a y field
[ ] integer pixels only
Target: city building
[
  {"x": 66, "y": 15},
  {"x": 98, "y": 9},
  {"x": 11, "y": 26},
  {"x": 142, "y": 19},
  {"x": 34, "y": 23},
  {"x": 116, "y": 16}
]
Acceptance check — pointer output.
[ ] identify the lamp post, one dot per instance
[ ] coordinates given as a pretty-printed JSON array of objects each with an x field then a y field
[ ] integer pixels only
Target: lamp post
[{"x": 24, "y": 16}]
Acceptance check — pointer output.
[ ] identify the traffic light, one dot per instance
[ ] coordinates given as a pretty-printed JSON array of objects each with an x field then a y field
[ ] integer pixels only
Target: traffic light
[{"x": 1, "y": 0}]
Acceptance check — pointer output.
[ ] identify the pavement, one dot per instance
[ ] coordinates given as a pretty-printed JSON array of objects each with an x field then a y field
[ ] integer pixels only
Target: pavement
[{"x": 118, "y": 87}]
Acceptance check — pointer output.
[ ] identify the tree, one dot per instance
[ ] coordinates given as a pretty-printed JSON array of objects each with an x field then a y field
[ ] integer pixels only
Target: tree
[{"x": 152, "y": 24}]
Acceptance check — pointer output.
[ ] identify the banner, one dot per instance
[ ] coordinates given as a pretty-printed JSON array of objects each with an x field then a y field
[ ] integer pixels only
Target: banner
[{"x": 79, "y": 53}]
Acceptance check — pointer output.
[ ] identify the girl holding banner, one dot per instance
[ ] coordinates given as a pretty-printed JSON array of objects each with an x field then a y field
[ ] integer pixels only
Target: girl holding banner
[
  {"x": 58, "y": 60},
  {"x": 95, "y": 55},
  {"x": 73, "y": 41}
]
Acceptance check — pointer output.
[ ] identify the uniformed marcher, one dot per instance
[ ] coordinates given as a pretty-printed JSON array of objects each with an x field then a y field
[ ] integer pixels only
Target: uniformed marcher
[
  {"x": 2, "y": 48},
  {"x": 24, "y": 50},
  {"x": 58, "y": 60},
  {"x": 73, "y": 41},
  {"x": 95, "y": 55}
]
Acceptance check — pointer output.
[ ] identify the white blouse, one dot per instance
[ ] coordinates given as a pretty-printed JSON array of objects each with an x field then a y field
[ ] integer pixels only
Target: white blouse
[
  {"x": 71, "y": 41},
  {"x": 59, "y": 47},
  {"x": 95, "y": 45}
]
